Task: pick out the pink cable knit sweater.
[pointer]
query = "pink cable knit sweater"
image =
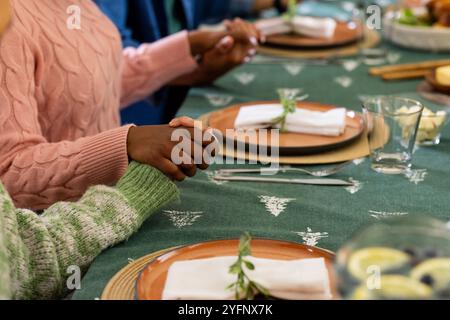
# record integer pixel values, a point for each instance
(60, 94)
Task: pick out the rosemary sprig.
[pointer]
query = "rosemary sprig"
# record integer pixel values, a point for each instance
(245, 288)
(291, 10)
(288, 99)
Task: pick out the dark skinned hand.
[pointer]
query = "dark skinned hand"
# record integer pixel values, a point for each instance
(152, 145)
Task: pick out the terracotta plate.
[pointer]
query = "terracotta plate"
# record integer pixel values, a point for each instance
(431, 79)
(346, 33)
(150, 283)
(293, 143)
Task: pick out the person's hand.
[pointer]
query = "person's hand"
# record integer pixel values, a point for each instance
(152, 145)
(239, 26)
(237, 47)
(183, 122)
(237, 31)
(201, 41)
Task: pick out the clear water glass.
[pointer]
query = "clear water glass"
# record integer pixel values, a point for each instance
(392, 124)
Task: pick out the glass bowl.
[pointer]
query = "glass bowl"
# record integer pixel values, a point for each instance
(397, 258)
(433, 120)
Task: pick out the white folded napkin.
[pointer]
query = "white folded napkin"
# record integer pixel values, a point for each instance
(207, 279)
(308, 26)
(314, 27)
(274, 26)
(329, 123)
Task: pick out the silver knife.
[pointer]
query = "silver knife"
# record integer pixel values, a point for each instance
(321, 182)
(317, 61)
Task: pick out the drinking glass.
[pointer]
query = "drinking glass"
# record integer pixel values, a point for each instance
(391, 124)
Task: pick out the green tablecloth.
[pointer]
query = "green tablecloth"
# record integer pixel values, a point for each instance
(322, 216)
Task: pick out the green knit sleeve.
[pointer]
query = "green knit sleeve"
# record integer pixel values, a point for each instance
(41, 250)
(5, 210)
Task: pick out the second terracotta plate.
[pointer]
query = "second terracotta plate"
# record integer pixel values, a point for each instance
(346, 33)
(292, 143)
(150, 284)
(431, 79)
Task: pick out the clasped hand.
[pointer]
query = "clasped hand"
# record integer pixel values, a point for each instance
(155, 146)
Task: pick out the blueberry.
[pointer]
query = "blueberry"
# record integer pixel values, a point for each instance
(410, 252)
(428, 280)
(415, 261)
(430, 253)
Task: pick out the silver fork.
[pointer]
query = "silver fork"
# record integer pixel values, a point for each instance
(318, 173)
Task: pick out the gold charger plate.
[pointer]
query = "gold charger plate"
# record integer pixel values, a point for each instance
(370, 40)
(150, 284)
(346, 33)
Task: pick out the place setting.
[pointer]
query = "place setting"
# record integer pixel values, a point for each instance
(407, 255)
(309, 134)
(314, 30)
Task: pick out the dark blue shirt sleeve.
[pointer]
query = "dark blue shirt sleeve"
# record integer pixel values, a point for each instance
(117, 11)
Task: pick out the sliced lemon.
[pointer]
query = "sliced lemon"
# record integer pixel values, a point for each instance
(362, 293)
(362, 262)
(394, 287)
(438, 269)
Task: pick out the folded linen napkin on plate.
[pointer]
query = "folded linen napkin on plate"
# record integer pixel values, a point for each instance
(308, 26)
(314, 27)
(274, 26)
(208, 279)
(329, 123)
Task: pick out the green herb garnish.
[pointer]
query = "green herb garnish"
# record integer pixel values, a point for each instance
(407, 17)
(288, 99)
(245, 288)
(291, 10)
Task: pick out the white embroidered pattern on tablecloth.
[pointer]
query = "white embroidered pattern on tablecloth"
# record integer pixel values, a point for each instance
(344, 81)
(275, 205)
(350, 65)
(311, 238)
(357, 185)
(417, 176)
(217, 100)
(293, 69)
(181, 219)
(383, 214)
(245, 78)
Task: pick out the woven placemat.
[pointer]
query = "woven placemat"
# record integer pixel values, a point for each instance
(121, 286)
(372, 39)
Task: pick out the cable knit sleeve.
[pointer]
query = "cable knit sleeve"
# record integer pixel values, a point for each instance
(149, 67)
(38, 173)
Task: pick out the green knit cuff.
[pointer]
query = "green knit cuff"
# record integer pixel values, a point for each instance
(146, 188)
